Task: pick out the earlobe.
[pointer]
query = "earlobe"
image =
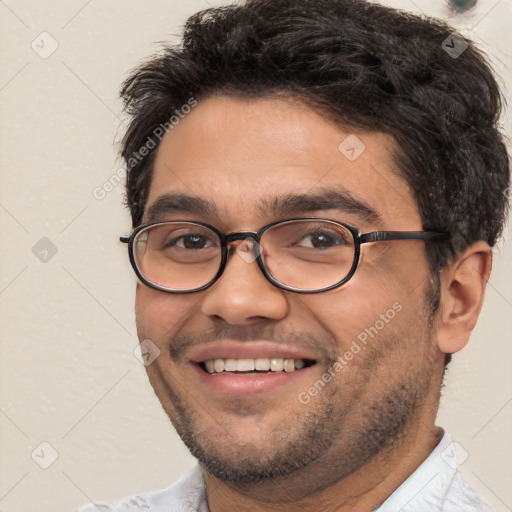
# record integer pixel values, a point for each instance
(463, 285)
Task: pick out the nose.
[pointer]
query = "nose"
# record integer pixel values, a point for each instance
(242, 295)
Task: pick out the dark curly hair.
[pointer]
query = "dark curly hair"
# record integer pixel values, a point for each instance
(365, 66)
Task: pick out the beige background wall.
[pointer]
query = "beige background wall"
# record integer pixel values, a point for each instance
(68, 376)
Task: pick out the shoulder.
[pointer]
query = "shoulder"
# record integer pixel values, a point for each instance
(462, 497)
(436, 485)
(185, 495)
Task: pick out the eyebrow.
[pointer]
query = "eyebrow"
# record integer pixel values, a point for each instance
(281, 206)
(177, 203)
(324, 199)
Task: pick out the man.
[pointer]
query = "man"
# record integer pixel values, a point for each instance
(315, 188)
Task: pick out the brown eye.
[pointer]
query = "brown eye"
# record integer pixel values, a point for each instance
(191, 242)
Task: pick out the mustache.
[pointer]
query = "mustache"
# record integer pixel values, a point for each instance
(181, 343)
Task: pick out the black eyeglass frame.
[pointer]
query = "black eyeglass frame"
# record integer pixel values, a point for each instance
(227, 239)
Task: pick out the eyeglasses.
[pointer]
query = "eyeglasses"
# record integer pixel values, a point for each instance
(304, 255)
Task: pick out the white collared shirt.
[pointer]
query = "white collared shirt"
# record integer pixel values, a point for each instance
(436, 486)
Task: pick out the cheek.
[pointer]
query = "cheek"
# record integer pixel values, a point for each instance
(160, 314)
(371, 305)
(349, 310)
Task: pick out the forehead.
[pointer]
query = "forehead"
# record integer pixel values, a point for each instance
(241, 155)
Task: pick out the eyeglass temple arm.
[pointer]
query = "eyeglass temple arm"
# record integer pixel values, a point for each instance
(429, 236)
(125, 239)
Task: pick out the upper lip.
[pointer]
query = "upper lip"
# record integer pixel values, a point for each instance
(246, 350)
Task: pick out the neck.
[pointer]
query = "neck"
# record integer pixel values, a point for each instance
(363, 490)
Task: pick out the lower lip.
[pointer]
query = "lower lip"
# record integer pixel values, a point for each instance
(245, 384)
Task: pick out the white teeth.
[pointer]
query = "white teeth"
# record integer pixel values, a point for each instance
(262, 364)
(276, 365)
(248, 365)
(244, 365)
(231, 365)
(289, 365)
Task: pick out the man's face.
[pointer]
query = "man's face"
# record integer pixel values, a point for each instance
(372, 364)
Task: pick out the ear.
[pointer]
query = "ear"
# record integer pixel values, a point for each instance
(463, 285)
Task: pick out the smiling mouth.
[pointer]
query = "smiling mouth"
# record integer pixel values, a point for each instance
(251, 366)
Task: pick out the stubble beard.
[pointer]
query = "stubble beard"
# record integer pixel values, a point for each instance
(322, 441)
